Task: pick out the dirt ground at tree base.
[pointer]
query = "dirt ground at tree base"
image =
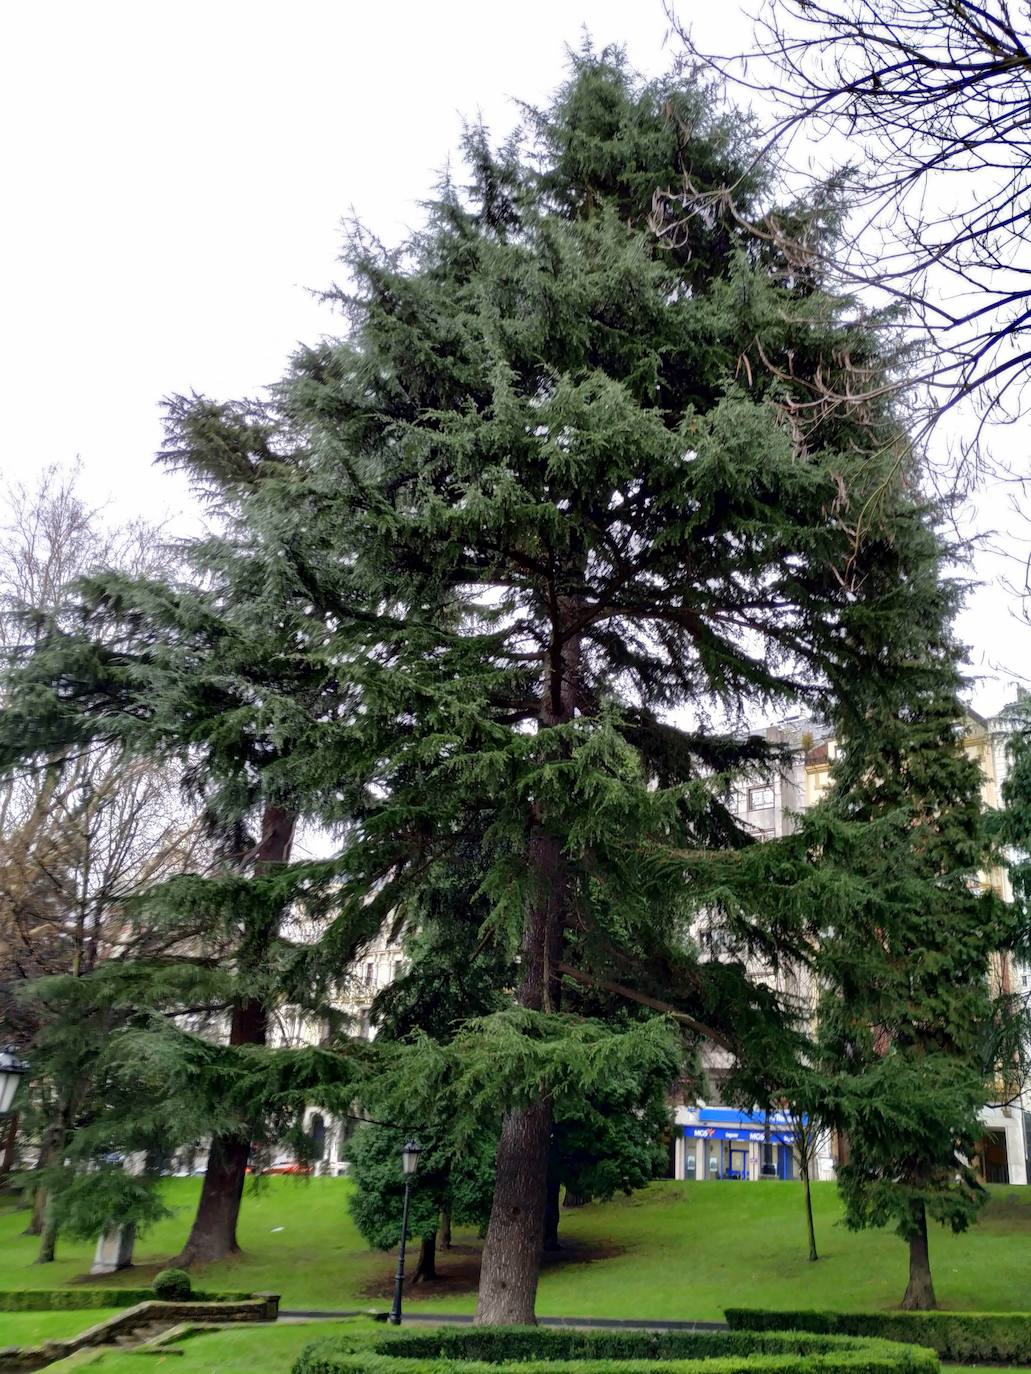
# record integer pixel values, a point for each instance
(458, 1269)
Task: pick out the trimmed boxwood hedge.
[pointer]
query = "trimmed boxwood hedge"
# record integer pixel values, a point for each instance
(962, 1337)
(535, 1350)
(72, 1299)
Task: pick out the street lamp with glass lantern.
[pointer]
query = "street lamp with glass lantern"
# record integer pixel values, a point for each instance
(12, 1071)
(409, 1163)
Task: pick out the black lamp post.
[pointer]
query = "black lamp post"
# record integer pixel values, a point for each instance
(409, 1163)
(769, 1169)
(12, 1070)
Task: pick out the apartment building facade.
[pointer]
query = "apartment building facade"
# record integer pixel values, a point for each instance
(715, 1142)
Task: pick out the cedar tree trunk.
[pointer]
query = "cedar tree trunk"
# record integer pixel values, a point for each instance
(551, 1215)
(213, 1233)
(55, 1142)
(919, 1295)
(810, 1228)
(515, 1234)
(426, 1269)
(48, 1234)
(34, 1226)
(48, 1152)
(444, 1229)
(572, 1199)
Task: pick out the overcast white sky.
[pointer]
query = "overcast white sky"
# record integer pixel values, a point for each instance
(174, 176)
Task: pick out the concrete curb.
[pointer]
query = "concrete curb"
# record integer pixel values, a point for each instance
(465, 1319)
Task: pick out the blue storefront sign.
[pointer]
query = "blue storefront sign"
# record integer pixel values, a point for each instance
(723, 1123)
(777, 1133)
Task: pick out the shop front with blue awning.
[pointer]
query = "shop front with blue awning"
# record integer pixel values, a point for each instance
(723, 1143)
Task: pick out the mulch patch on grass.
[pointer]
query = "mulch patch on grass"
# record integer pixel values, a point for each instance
(458, 1269)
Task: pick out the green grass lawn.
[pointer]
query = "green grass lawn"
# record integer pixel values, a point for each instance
(31, 1328)
(239, 1350)
(243, 1350)
(673, 1250)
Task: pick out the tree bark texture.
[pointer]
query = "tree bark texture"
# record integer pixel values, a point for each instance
(515, 1233)
(810, 1226)
(426, 1269)
(444, 1229)
(34, 1226)
(213, 1233)
(50, 1148)
(39, 1207)
(48, 1234)
(919, 1295)
(552, 1214)
(572, 1199)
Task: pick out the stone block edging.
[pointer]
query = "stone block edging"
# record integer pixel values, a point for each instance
(263, 1307)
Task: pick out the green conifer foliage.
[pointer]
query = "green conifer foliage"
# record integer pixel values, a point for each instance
(567, 481)
(1013, 824)
(208, 671)
(901, 858)
(568, 490)
(459, 1186)
(1012, 830)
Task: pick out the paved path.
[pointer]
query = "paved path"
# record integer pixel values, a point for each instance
(465, 1319)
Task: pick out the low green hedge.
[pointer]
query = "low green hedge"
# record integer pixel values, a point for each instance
(535, 1350)
(71, 1299)
(962, 1337)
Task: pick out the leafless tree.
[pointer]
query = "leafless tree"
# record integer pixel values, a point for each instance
(930, 103)
(82, 835)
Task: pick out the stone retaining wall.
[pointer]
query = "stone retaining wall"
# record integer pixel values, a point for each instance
(263, 1307)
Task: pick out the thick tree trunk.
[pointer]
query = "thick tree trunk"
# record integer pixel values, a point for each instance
(426, 1269)
(213, 1233)
(919, 1295)
(511, 1260)
(552, 1214)
(444, 1229)
(515, 1234)
(34, 1226)
(810, 1227)
(47, 1154)
(47, 1235)
(572, 1199)
(52, 1148)
(39, 1206)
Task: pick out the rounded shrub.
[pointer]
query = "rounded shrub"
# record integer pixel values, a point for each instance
(525, 1350)
(173, 1285)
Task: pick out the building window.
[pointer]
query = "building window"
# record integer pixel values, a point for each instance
(370, 975)
(760, 798)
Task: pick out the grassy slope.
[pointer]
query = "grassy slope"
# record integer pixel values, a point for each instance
(264, 1350)
(31, 1328)
(686, 1250)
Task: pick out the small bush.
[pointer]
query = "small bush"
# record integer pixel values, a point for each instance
(532, 1350)
(173, 1285)
(961, 1337)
